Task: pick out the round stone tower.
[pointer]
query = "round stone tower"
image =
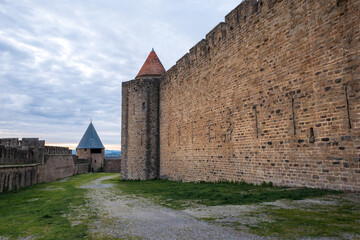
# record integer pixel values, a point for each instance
(140, 122)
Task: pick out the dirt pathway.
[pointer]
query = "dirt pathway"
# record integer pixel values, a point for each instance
(130, 217)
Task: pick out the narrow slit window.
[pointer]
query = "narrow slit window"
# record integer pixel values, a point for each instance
(312, 136)
(347, 106)
(256, 122)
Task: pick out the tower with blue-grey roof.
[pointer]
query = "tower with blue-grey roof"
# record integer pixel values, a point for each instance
(90, 147)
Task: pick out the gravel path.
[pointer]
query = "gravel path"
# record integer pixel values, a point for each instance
(123, 216)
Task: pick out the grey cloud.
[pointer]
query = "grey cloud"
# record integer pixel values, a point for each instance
(62, 62)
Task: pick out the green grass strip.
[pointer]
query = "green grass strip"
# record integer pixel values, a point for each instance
(42, 210)
(175, 194)
(340, 221)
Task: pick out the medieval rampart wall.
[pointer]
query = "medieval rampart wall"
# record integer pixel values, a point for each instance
(112, 165)
(13, 151)
(58, 163)
(83, 165)
(271, 94)
(27, 162)
(13, 177)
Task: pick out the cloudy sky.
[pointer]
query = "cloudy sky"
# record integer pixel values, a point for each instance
(62, 62)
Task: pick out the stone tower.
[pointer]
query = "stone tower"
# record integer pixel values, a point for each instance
(140, 122)
(91, 148)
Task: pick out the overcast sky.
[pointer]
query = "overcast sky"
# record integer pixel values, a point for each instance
(62, 62)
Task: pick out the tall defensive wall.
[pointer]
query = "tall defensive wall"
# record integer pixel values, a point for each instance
(271, 94)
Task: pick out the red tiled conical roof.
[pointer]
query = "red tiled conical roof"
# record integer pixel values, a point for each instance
(152, 66)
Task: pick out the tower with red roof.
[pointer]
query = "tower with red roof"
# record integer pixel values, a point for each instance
(140, 122)
(152, 67)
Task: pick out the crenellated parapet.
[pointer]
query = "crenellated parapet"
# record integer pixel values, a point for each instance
(270, 94)
(248, 12)
(25, 151)
(25, 142)
(57, 150)
(28, 161)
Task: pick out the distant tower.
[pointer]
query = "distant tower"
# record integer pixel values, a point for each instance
(91, 148)
(140, 122)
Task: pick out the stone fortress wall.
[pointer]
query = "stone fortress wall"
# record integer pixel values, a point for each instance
(58, 163)
(271, 94)
(112, 165)
(28, 161)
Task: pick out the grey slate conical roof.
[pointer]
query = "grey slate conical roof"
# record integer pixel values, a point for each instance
(90, 139)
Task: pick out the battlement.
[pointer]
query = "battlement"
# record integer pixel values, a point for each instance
(57, 150)
(248, 13)
(20, 155)
(270, 94)
(27, 151)
(25, 142)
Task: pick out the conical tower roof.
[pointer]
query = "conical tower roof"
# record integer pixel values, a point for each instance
(152, 66)
(90, 139)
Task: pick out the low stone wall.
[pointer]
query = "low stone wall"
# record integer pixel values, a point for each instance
(56, 166)
(82, 168)
(112, 165)
(28, 161)
(82, 165)
(13, 177)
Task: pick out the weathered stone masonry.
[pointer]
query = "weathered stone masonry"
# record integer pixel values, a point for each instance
(28, 161)
(140, 129)
(271, 94)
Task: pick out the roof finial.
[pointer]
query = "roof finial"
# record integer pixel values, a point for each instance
(153, 50)
(90, 120)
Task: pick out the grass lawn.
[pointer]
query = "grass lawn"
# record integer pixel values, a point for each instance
(59, 210)
(341, 220)
(176, 195)
(43, 210)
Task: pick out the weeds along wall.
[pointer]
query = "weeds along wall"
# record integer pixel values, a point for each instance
(271, 94)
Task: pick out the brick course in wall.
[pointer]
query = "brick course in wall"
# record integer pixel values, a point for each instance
(271, 94)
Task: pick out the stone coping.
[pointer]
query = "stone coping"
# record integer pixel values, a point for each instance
(60, 154)
(20, 165)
